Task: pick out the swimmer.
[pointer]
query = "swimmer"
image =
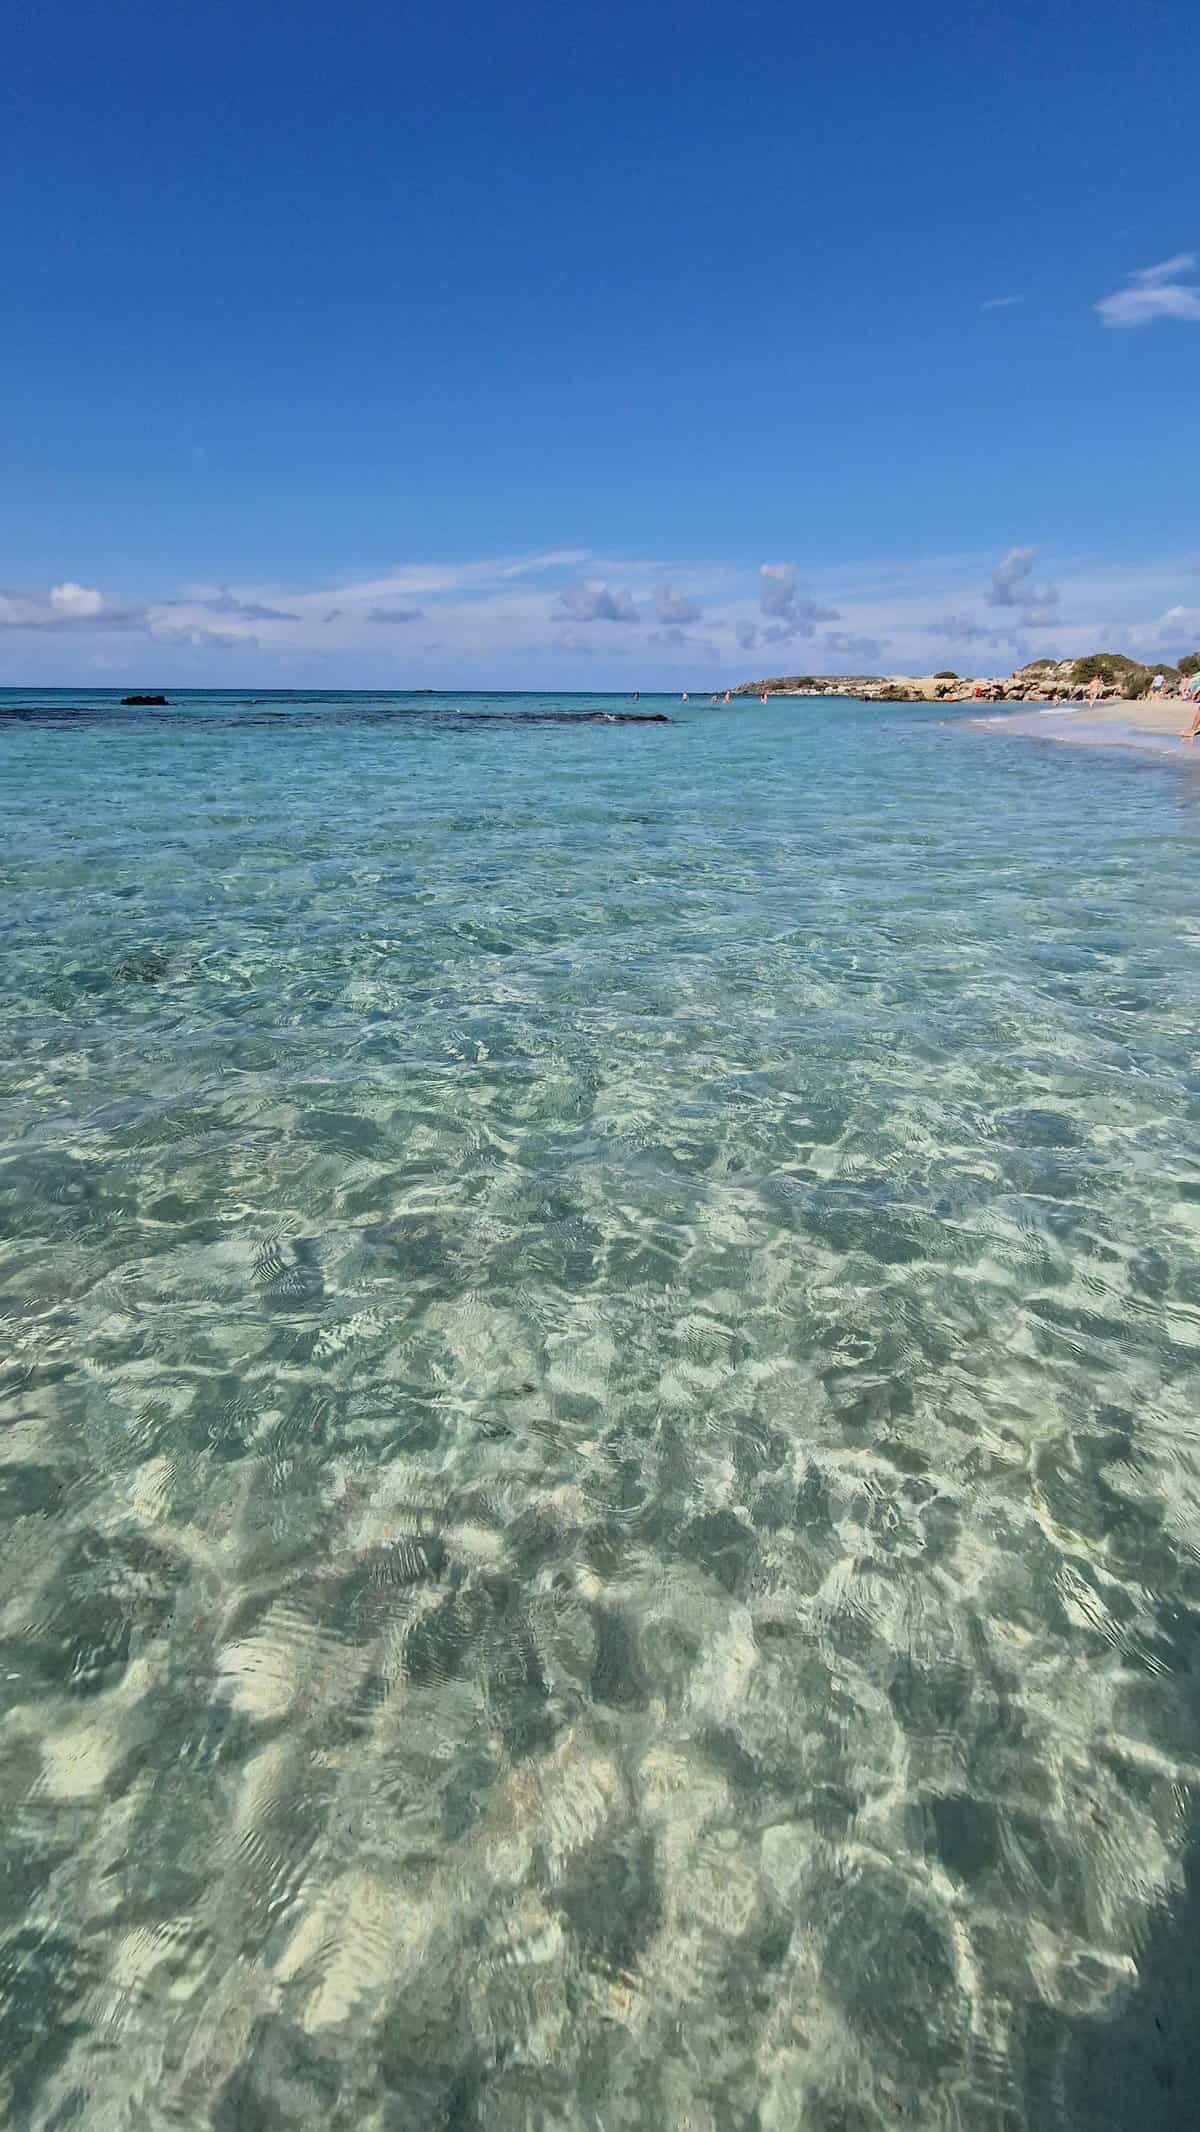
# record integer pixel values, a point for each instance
(713, 698)
(727, 698)
(683, 698)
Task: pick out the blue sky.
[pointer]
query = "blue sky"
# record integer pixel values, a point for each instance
(616, 345)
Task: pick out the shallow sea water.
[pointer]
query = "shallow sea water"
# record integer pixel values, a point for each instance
(599, 1467)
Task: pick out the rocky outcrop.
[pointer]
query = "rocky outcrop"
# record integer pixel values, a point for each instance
(144, 699)
(1071, 680)
(1042, 681)
(812, 685)
(866, 688)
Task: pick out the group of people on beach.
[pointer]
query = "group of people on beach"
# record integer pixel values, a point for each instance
(1186, 689)
(1183, 688)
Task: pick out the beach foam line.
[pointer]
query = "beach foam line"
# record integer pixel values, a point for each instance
(1086, 733)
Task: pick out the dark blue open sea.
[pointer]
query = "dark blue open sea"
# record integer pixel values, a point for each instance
(599, 1453)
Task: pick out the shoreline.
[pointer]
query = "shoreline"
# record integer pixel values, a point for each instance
(1159, 728)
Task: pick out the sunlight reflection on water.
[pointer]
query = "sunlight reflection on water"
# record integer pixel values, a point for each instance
(597, 1418)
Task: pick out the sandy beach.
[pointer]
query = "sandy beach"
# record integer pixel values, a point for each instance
(1153, 725)
(1172, 717)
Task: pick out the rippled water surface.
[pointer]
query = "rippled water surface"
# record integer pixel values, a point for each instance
(600, 1487)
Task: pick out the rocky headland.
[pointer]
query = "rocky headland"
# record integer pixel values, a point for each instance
(1121, 680)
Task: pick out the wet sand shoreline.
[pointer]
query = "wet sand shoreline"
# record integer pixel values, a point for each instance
(1159, 727)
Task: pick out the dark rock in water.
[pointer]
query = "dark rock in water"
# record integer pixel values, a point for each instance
(613, 1901)
(282, 2079)
(44, 1982)
(599, 717)
(114, 1595)
(594, 717)
(618, 1678)
(143, 966)
(143, 699)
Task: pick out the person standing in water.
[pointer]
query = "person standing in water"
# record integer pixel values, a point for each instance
(727, 697)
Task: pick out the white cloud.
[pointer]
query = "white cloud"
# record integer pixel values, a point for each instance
(67, 609)
(1155, 292)
(543, 621)
(395, 614)
(845, 644)
(17, 611)
(1167, 269)
(75, 602)
(248, 610)
(676, 635)
(591, 600)
(1001, 303)
(962, 629)
(793, 612)
(1010, 576)
(1169, 637)
(1012, 582)
(777, 592)
(672, 606)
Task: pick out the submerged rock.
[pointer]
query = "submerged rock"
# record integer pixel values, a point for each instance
(143, 966)
(144, 699)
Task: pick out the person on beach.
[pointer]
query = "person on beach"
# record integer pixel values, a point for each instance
(1194, 727)
(1156, 688)
(1094, 687)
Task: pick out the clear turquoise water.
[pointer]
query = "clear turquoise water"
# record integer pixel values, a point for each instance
(598, 1415)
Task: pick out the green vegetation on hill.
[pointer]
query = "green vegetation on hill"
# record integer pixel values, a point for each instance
(1115, 671)
(1111, 668)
